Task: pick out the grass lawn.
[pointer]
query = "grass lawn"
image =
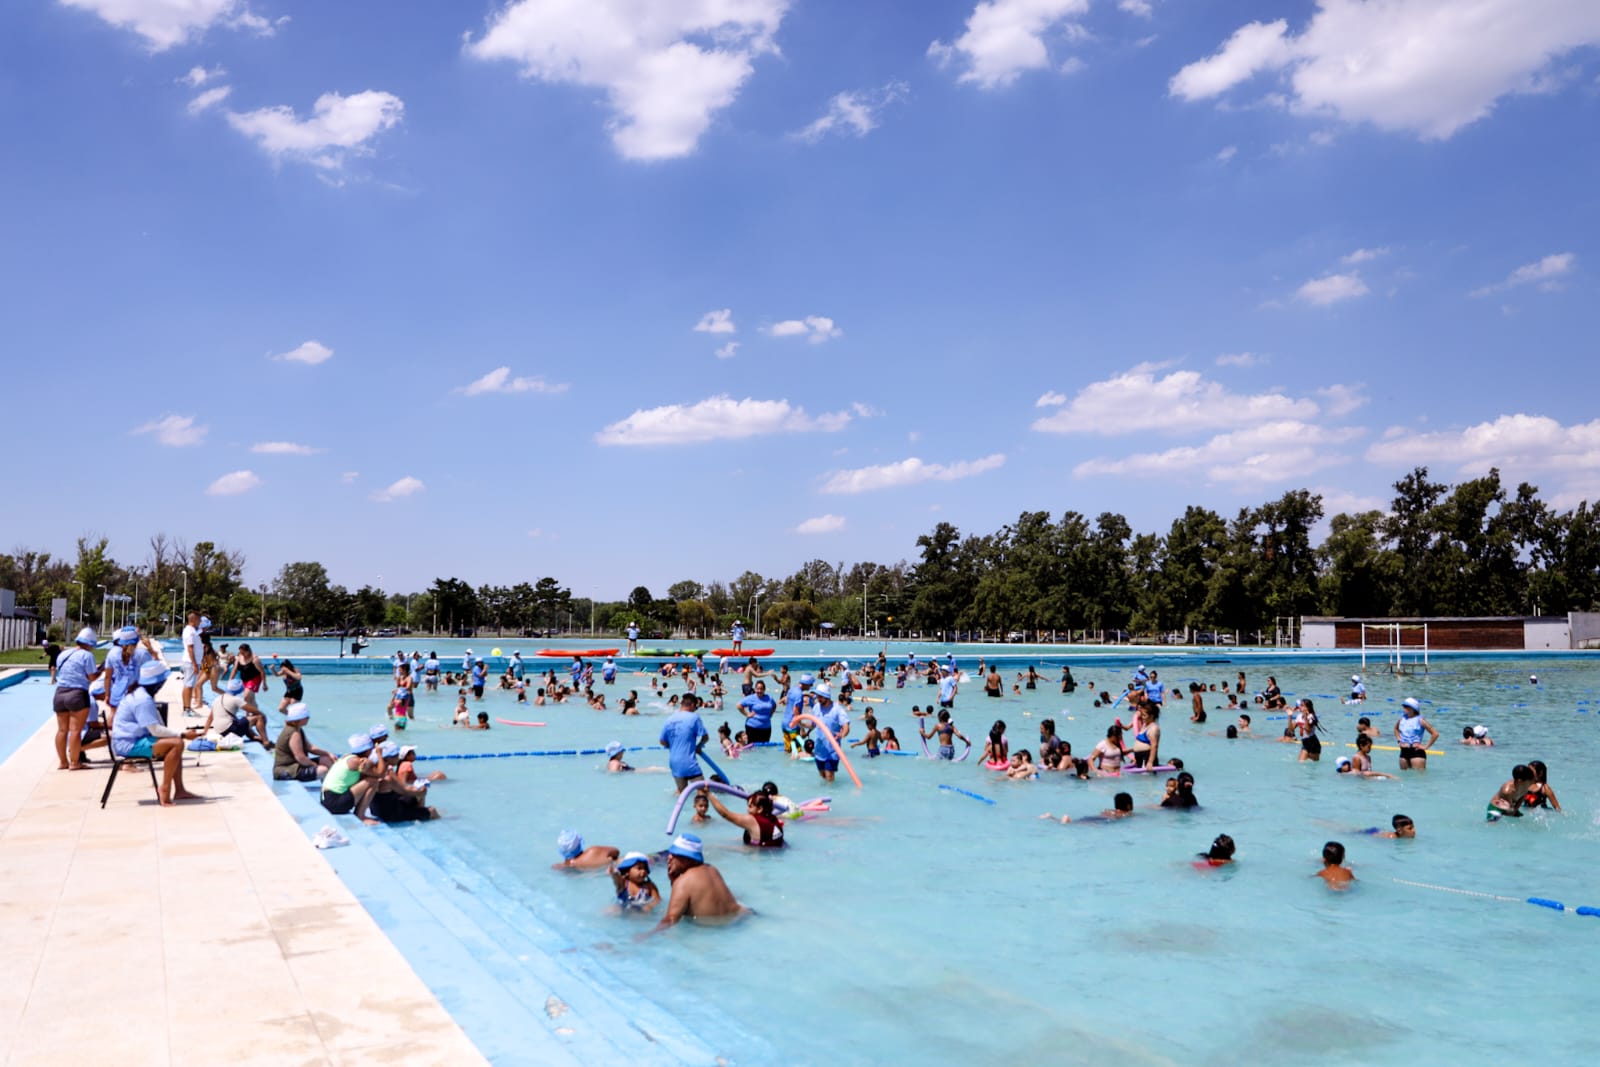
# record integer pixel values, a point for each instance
(34, 657)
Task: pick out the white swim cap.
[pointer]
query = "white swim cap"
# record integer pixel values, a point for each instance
(1480, 731)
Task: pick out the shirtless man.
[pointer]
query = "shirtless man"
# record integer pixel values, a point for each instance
(1334, 873)
(698, 891)
(750, 672)
(1507, 800)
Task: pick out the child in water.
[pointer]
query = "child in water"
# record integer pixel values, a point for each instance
(463, 717)
(891, 743)
(1219, 855)
(873, 739)
(630, 876)
(702, 807)
(1334, 873)
(1403, 828)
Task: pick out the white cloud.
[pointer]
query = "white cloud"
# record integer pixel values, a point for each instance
(209, 99)
(233, 484)
(1240, 359)
(716, 322)
(166, 23)
(349, 477)
(1332, 288)
(865, 411)
(1182, 401)
(853, 112)
(1521, 443)
(310, 353)
(1342, 501)
(1427, 67)
(1363, 255)
(1225, 154)
(177, 431)
(1262, 453)
(718, 418)
(1141, 8)
(1339, 400)
(907, 472)
(1050, 399)
(198, 76)
(666, 66)
(499, 380)
(339, 126)
(1004, 38)
(821, 524)
(729, 350)
(814, 328)
(283, 448)
(404, 487)
(1544, 271)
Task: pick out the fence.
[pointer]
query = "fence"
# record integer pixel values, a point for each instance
(16, 633)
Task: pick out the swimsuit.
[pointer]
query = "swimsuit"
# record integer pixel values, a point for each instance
(634, 903)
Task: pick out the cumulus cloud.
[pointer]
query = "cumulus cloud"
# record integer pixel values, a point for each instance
(1185, 400)
(716, 322)
(233, 484)
(209, 99)
(339, 126)
(814, 328)
(1363, 255)
(1004, 38)
(718, 418)
(729, 350)
(1332, 289)
(1521, 443)
(1050, 399)
(176, 431)
(1141, 8)
(907, 472)
(310, 353)
(166, 23)
(283, 448)
(198, 76)
(1240, 359)
(821, 524)
(1341, 501)
(1427, 67)
(853, 112)
(500, 380)
(1227, 153)
(1264, 453)
(1545, 272)
(666, 67)
(406, 486)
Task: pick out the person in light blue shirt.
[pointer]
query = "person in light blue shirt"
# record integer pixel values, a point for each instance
(138, 733)
(757, 709)
(682, 735)
(1358, 690)
(798, 700)
(76, 670)
(738, 635)
(466, 662)
(947, 690)
(430, 673)
(480, 677)
(516, 665)
(633, 638)
(608, 670)
(575, 669)
(1155, 691)
(124, 661)
(837, 720)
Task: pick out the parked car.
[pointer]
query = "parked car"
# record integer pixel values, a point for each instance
(1016, 637)
(385, 632)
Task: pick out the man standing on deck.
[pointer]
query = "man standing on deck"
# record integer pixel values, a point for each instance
(193, 656)
(633, 638)
(738, 636)
(682, 735)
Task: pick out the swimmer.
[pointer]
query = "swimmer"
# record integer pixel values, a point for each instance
(1358, 690)
(630, 877)
(1183, 798)
(698, 891)
(1408, 730)
(891, 743)
(1220, 854)
(1362, 764)
(873, 741)
(574, 857)
(1404, 829)
(1477, 736)
(1244, 725)
(946, 732)
(1121, 808)
(702, 806)
(1541, 795)
(996, 749)
(1107, 755)
(1508, 799)
(614, 761)
(1334, 873)
(1022, 766)
(757, 820)
(481, 724)
(1232, 733)
(1364, 726)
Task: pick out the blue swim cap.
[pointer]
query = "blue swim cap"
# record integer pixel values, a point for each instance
(569, 844)
(126, 636)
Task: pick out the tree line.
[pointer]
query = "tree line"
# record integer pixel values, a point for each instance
(1469, 549)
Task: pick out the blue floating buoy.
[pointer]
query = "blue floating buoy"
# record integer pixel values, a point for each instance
(1553, 905)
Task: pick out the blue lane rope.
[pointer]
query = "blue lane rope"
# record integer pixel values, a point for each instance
(1538, 902)
(967, 793)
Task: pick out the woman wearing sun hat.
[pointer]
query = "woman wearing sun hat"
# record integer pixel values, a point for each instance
(76, 670)
(138, 732)
(122, 664)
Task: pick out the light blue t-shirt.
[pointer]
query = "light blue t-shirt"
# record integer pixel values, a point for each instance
(608, 671)
(135, 716)
(480, 673)
(794, 705)
(74, 667)
(836, 719)
(1155, 692)
(124, 675)
(738, 633)
(682, 733)
(947, 689)
(633, 633)
(760, 706)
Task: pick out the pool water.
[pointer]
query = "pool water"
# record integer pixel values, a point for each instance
(919, 924)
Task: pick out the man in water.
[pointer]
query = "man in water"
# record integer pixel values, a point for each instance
(751, 671)
(1507, 800)
(948, 688)
(698, 891)
(838, 723)
(1122, 807)
(799, 700)
(682, 735)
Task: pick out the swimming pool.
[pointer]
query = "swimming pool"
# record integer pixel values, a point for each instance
(920, 924)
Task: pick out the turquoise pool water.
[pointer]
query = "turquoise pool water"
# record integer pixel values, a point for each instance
(919, 924)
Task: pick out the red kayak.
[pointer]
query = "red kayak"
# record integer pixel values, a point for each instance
(747, 653)
(565, 653)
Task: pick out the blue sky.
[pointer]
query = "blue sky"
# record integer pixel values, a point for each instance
(630, 292)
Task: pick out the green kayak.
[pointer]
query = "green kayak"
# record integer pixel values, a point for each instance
(670, 652)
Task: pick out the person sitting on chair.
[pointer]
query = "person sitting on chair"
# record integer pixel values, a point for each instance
(138, 733)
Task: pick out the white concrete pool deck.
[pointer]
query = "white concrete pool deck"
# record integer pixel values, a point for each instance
(206, 933)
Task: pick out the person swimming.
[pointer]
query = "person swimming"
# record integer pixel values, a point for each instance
(1121, 808)
(1402, 825)
(1220, 854)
